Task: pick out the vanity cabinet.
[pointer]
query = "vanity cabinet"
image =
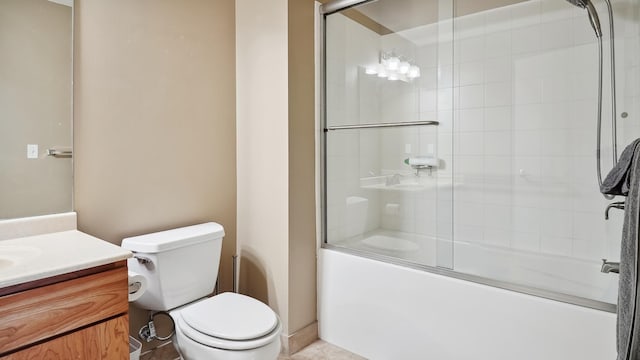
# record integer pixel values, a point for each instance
(80, 315)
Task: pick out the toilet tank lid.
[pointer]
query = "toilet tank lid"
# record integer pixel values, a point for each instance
(174, 238)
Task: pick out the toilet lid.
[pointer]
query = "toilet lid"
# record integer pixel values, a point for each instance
(231, 316)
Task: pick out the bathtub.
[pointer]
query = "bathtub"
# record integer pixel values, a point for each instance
(539, 271)
(385, 311)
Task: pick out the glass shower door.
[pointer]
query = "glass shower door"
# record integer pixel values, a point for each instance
(388, 132)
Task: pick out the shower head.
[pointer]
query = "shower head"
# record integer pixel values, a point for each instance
(593, 14)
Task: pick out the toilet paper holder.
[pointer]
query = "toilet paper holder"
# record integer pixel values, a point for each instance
(134, 287)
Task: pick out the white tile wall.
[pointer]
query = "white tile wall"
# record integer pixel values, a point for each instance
(539, 75)
(515, 94)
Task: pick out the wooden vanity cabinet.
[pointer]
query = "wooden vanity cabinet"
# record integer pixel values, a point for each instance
(81, 315)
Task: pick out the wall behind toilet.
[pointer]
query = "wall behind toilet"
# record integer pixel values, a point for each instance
(154, 119)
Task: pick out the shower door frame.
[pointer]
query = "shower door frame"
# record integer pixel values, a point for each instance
(337, 6)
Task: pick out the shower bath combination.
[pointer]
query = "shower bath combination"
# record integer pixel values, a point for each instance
(595, 24)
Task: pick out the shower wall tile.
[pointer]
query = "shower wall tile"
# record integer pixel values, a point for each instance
(469, 213)
(470, 49)
(526, 40)
(498, 169)
(582, 31)
(556, 245)
(497, 237)
(498, 94)
(471, 119)
(471, 96)
(556, 35)
(472, 234)
(526, 89)
(471, 73)
(497, 118)
(497, 143)
(498, 217)
(498, 44)
(525, 241)
(498, 69)
(471, 143)
(445, 99)
(429, 100)
(445, 75)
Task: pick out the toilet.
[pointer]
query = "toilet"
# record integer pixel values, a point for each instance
(181, 268)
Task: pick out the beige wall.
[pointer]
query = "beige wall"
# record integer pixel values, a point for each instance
(302, 176)
(156, 133)
(155, 119)
(275, 147)
(262, 151)
(35, 107)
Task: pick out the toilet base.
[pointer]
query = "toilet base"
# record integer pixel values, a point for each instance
(192, 350)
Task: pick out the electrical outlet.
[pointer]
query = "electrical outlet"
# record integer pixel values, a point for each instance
(32, 151)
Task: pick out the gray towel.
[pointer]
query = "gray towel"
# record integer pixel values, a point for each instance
(625, 179)
(618, 180)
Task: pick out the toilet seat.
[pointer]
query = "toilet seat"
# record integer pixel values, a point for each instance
(228, 321)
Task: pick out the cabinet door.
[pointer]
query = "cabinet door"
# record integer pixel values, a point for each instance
(108, 340)
(38, 314)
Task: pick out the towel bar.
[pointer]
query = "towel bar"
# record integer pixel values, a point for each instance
(65, 153)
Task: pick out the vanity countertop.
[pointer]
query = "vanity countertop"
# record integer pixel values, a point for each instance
(41, 256)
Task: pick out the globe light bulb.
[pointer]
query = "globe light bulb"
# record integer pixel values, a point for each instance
(414, 72)
(404, 67)
(393, 63)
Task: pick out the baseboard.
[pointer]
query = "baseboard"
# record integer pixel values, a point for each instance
(297, 341)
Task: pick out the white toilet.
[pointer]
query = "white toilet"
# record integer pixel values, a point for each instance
(181, 267)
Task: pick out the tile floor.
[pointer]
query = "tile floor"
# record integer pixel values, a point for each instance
(319, 350)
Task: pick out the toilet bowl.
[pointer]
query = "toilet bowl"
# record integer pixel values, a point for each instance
(227, 326)
(180, 267)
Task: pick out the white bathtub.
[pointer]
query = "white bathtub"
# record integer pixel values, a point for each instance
(547, 272)
(385, 311)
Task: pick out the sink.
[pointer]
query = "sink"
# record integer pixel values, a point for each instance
(11, 255)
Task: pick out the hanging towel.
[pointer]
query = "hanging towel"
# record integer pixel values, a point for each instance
(624, 179)
(618, 180)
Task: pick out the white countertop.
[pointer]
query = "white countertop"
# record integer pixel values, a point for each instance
(41, 256)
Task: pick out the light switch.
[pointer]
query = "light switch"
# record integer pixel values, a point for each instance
(32, 151)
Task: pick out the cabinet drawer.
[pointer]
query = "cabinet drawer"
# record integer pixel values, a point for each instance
(37, 314)
(106, 341)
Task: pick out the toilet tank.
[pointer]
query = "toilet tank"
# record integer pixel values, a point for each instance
(180, 265)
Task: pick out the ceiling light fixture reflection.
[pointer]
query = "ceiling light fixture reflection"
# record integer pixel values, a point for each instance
(393, 67)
